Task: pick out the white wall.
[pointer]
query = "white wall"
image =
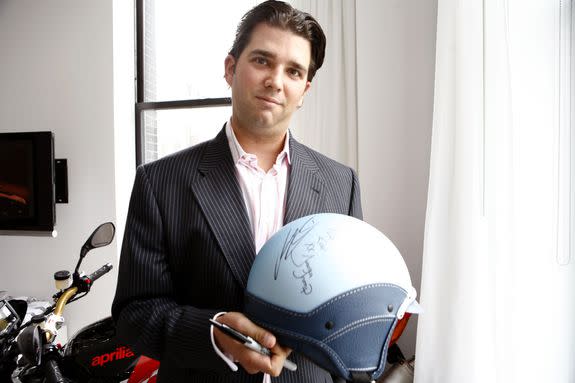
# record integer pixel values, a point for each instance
(56, 73)
(395, 64)
(62, 69)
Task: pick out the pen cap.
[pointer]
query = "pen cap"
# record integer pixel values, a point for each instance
(332, 288)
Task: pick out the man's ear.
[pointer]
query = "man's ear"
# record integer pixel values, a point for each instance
(307, 86)
(230, 68)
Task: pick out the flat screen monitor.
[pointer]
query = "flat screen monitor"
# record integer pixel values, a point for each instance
(27, 183)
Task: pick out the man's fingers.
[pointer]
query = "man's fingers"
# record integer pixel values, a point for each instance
(278, 349)
(242, 324)
(264, 337)
(277, 363)
(252, 361)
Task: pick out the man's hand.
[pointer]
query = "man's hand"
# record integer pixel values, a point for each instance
(252, 361)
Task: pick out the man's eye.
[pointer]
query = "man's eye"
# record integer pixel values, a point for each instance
(261, 60)
(294, 73)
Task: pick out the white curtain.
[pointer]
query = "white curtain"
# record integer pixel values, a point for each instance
(328, 119)
(498, 276)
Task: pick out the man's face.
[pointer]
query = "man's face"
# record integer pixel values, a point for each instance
(268, 80)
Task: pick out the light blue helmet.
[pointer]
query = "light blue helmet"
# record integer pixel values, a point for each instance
(332, 288)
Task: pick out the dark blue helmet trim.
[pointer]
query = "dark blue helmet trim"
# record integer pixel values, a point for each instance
(350, 332)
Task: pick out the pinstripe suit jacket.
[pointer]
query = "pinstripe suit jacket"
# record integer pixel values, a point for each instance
(188, 249)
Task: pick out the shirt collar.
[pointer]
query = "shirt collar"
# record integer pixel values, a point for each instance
(238, 152)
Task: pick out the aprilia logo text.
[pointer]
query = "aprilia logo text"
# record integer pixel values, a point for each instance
(120, 353)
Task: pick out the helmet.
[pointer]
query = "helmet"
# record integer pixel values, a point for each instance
(332, 288)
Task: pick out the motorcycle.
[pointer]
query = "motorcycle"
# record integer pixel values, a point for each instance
(94, 355)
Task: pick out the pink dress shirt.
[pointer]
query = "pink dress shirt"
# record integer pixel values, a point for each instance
(264, 193)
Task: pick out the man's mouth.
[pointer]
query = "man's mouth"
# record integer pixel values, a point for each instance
(270, 100)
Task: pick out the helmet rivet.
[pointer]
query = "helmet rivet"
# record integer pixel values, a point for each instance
(390, 308)
(329, 325)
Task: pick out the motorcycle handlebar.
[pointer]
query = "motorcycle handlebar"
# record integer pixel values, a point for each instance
(84, 287)
(101, 271)
(53, 373)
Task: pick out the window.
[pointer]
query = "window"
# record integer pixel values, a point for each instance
(182, 97)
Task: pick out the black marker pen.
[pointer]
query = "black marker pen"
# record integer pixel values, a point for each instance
(250, 343)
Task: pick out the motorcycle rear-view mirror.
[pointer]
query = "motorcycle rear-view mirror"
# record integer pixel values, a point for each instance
(102, 236)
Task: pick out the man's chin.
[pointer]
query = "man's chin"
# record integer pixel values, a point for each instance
(265, 120)
(270, 128)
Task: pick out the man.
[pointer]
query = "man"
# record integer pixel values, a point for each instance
(197, 218)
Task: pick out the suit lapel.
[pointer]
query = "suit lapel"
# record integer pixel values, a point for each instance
(305, 187)
(219, 196)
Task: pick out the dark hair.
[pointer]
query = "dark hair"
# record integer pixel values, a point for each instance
(282, 15)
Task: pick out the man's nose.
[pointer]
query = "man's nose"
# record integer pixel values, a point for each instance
(274, 79)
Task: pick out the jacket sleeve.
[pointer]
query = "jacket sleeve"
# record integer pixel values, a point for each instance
(145, 310)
